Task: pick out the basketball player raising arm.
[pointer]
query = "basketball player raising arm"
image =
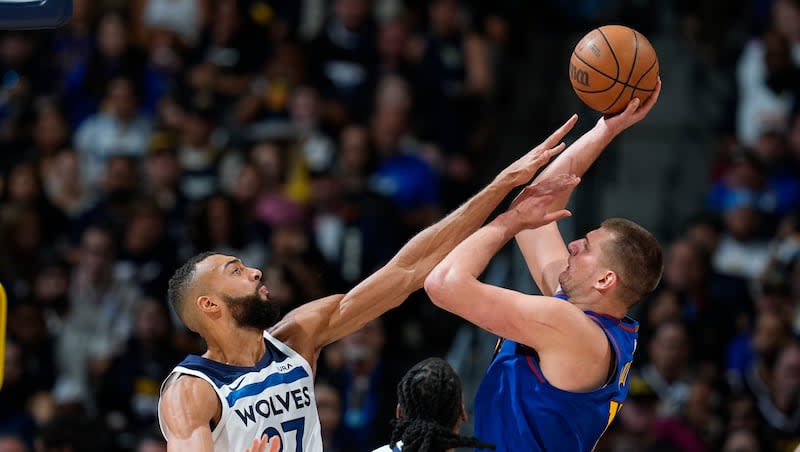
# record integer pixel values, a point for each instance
(256, 378)
(562, 363)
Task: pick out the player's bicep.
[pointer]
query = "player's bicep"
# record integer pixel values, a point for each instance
(545, 254)
(188, 406)
(535, 321)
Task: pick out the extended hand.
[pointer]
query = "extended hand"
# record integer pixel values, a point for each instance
(633, 113)
(260, 445)
(522, 170)
(529, 209)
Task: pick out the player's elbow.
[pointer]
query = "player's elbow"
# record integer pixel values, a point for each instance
(440, 286)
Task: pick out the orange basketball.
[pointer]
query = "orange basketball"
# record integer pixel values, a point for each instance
(610, 66)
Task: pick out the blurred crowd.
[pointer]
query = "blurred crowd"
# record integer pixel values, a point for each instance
(312, 139)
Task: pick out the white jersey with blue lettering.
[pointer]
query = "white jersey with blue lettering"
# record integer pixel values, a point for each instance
(274, 397)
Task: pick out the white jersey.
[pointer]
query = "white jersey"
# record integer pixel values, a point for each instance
(274, 397)
(396, 447)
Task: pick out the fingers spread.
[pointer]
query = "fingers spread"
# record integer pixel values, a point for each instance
(561, 132)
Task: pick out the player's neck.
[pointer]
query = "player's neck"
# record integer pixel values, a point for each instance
(237, 347)
(602, 305)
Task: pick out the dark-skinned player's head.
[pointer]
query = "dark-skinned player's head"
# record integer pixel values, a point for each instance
(620, 259)
(212, 287)
(430, 408)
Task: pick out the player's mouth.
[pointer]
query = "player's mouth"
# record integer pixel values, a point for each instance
(262, 289)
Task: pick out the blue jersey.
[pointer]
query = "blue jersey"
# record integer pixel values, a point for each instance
(517, 409)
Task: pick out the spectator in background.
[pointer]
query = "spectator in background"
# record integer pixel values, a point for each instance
(64, 186)
(329, 407)
(668, 374)
(28, 329)
(101, 315)
(114, 56)
(779, 400)
(199, 156)
(12, 443)
(217, 225)
(21, 234)
(163, 181)
(400, 174)
(275, 205)
(118, 129)
(127, 389)
(147, 255)
(14, 417)
(365, 384)
(345, 69)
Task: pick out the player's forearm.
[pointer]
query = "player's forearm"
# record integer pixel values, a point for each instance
(578, 157)
(468, 260)
(422, 253)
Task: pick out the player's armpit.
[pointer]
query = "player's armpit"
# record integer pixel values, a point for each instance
(188, 406)
(316, 324)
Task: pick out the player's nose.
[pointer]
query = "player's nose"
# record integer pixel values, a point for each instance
(257, 274)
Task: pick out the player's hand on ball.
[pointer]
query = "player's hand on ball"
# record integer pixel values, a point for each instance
(529, 209)
(260, 444)
(633, 113)
(522, 170)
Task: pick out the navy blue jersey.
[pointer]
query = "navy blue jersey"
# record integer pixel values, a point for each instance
(517, 409)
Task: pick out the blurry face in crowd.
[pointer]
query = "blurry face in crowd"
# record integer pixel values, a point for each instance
(393, 39)
(741, 441)
(786, 378)
(742, 222)
(304, 107)
(96, 252)
(27, 234)
(50, 130)
(669, 350)
(219, 222)
(121, 99)
(163, 169)
(22, 183)
(354, 149)
(329, 406)
(248, 184)
(665, 307)
(743, 414)
(744, 174)
(280, 290)
(12, 444)
(704, 235)
(770, 335)
(13, 364)
(111, 36)
(786, 18)
(68, 171)
(444, 15)
(51, 284)
(364, 345)
(267, 157)
(684, 270)
(27, 324)
(151, 445)
(388, 128)
(15, 49)
(152, 321)
(120, 175)
(144, 231)
(352, 13)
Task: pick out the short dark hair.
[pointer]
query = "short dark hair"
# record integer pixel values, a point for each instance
(430, 398)
(181, 280)
(636, 257)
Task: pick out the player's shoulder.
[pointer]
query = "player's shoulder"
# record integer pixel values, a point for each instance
(187, 390)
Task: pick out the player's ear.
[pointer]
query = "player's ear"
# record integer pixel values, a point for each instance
(398, 413)
(206, 304)
(606, 281)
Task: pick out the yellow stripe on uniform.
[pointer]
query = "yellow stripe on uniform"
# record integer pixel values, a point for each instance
(3, 309)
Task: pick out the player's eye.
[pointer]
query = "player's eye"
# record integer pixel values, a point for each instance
(237, 271)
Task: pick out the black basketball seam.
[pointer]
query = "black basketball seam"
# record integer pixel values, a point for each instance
(630, 74)
(652, 65)
(616, 63)
(606, 76)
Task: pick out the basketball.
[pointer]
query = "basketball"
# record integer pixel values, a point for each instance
(610, 66)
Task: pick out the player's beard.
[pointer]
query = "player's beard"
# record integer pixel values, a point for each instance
(250, 311)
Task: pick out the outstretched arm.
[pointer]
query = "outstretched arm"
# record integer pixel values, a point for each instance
(453, 285)
(319, 323)
(543, 247)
